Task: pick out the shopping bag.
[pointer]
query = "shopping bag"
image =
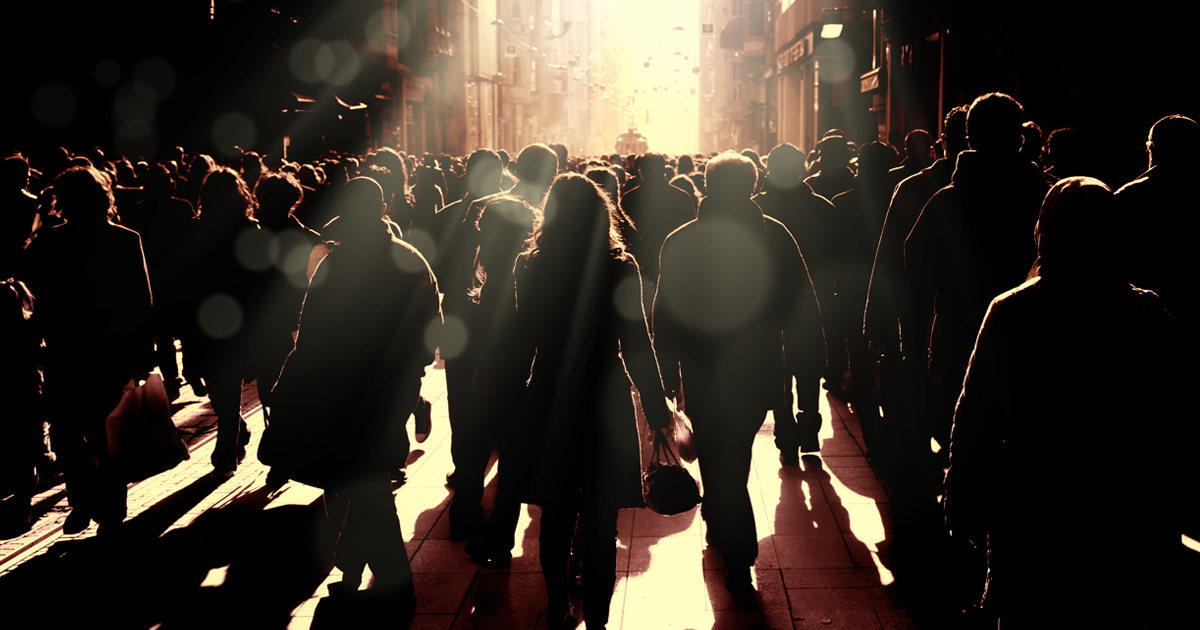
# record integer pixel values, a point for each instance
(142, 438)
(667, 487)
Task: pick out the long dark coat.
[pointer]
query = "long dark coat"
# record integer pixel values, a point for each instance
(588, 328)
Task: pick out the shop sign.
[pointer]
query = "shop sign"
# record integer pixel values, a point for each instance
(797, 51)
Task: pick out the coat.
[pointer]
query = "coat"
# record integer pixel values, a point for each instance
(733, 294)
(369, 326)
(588, 332)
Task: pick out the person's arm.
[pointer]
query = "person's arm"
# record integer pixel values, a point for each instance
(637, 351)
(509, 349)
(666, 331)
(976, 439)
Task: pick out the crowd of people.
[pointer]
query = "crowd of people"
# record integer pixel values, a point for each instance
(1010, 309)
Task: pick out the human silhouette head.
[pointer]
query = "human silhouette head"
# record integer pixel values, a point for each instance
(875, 158)
(917, 146)
(685, 165)
(14, 173)
(652, 167)
(1173, 141)
(578, 220)
(607, 180)
(833, 152)
(1075, 225)
(785, 166)
(730, 176)
(278, 195)
(954, 132)
(223, 190)
(157, 181)
(485, 172)
(536, 167)
(1031, 150)
(560, 150)
(84, 194)
(360, 211)
(994, 124)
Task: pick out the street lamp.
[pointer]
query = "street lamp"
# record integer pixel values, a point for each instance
(831, 23)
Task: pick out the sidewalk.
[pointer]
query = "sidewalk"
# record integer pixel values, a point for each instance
(202, 552)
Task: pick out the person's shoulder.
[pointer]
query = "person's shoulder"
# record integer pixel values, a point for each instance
(1136, 186)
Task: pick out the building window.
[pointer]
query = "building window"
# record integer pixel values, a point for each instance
(739, 7)
(516, 9)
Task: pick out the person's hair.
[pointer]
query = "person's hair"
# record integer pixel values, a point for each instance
(485, 170)
(917, 145)
(994, 123)
(685, 183)
(199, 169)
(382, 176)
(650, 164)
(537, 163)
(954, 130)
(14, 172)
(685, 164)
(877, 156)
(560, 150)
(360, 209)
(578, 214)
(225, 186)
(730, 175)
(278, 195)
(157, 180)
(785, 162)
(84, 193)
(1174, 140)
(1032, 148)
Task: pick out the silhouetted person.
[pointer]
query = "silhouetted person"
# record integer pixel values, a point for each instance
(163, 221)
(21, 436)
(18, 214)
(445, 227)
(1064, 153)
(222, 287)
(1159, 208)
(368, 328)
(813, 223)
(885, 316)
(656, 208)
(733, 300)
(608, 180)
(1047, 390)
(578, 313)
(918, 154)
(95, 314)
(971, 243)
(861, 212)
(833, 176)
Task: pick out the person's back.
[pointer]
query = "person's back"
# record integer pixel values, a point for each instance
(656, 209)
(1159, 209)
(972, 241)
(19, 211)
(1078, 329)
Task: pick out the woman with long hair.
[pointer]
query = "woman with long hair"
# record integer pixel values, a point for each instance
(579, 301)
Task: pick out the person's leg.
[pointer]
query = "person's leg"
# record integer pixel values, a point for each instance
(787, 438)
(724, 448)
(225, 395)
(377, 528)
(598, 529)
(554, 550)
(78, 407)
(470, 447)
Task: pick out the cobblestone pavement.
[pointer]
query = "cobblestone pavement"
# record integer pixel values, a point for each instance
(200, 552)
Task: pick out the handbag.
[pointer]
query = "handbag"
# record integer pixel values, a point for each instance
(142, 438)
(666, 487)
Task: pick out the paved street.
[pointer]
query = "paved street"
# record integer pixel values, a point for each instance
(201, 552)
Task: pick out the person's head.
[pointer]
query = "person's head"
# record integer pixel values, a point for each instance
(504, 226)
(685, 164)
(753, 156)
(1173, 141)
(484, 173)
(199, 169)
(684, 183)
(954, 132)
(224, 191)
(14, 172)
(157, 181)
(834, 152)
(918, 146)
(278, 195)
(536, 167)
(730, 176)
(994, 124)
(1076, 226)
(384, 177)
(875, 158)
(388, 158)
(607, 180)
(360, 211)
(785, 166)
(560, 150)
(252, 167)
(577, 223)
(84, 194)
(651, 167)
